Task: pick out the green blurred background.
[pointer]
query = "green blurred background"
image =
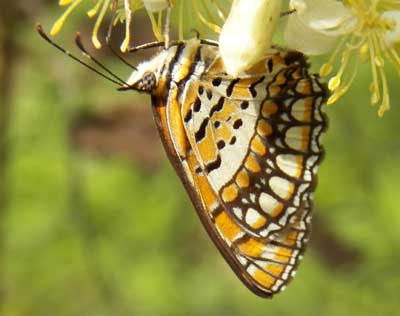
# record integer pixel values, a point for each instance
(94, 220)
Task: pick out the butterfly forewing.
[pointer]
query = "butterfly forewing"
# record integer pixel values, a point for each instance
(247, 150)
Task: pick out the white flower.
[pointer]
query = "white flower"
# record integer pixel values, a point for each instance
(356, 30)
(247, 33)
(315, 27)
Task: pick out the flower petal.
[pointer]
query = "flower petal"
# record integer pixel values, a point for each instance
(302, 37)
(321, 15)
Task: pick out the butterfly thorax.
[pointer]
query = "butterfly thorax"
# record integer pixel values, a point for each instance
(174, 65)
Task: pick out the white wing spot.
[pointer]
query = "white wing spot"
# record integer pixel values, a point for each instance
(290, 164)
(238, 212)
(268, 203)
(281, 187)
(252, 216)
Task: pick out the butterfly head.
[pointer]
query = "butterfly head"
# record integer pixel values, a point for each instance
(147, 82)
(145, 78)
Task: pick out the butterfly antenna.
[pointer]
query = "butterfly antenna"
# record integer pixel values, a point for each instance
(196, 32)
(41, 32)
(115, 53)
(78, 42)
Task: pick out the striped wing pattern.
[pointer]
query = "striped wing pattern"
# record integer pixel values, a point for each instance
(254, 141)
(247, 150)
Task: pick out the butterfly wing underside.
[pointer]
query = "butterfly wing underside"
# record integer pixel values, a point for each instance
(256, 139)
(276, 120)
(264, 268)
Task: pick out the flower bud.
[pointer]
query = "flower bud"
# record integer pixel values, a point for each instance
(247, 33)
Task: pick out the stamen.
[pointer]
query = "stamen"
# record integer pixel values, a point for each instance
(221, 14)
(128, 16)
(385, 105)
(382, 46)
(108, 38)
(391, 53)
(92, 12)
(344, 88)
(156, 29)
(166, 26)
(214, 27)
(335, 81)
(375, 89)
(394, 57)
(95, 39)
(160, 23)
(180, 23)
(379, 61)
(63, 3)
(60, 22)
(208, 13)
(326, 68)
(364, 52)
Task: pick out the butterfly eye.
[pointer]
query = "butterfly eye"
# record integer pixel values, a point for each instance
(147, 83)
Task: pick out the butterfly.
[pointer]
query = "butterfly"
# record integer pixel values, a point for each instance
(247, 150)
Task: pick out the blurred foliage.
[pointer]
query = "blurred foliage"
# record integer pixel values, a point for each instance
(95, 233)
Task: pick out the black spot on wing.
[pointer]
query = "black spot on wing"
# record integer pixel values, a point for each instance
(201, 133)
(214, 165)
(229, 90)
(188, 116)
(221, 144)
(201, 90)
(237, 124)
(197, 105)
(217, 107)
(252, 88)
(198, 170)
(270, 65)
(244, 105)
(209, 94)
(216, 81)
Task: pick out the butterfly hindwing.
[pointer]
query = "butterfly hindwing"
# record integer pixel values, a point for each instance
(233, 149)
(256, 138)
